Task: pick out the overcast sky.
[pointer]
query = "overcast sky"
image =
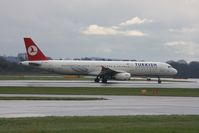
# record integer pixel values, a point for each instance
(152, 30)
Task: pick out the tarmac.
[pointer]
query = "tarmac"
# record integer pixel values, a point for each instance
(115, 105)
(194, 83)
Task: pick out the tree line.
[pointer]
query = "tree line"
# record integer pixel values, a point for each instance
(186, 70)
(7, 67)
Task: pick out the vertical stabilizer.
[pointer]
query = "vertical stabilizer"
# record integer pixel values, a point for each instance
(33, 52)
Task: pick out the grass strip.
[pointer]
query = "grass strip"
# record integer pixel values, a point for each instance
(102, 124)
(100, 91)
(50, 98)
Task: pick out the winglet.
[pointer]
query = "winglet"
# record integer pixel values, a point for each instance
(33, 52)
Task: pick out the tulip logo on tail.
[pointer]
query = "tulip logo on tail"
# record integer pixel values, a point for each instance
(32, 50)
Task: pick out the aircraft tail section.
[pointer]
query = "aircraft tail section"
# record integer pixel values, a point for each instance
(33, 52)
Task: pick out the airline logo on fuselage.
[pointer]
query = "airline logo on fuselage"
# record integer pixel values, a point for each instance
(32, 50)
(146, 65)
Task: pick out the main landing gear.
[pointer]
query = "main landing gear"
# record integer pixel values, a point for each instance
(97, 80)
(104, 80)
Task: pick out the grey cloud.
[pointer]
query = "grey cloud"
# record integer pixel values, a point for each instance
(56, 24)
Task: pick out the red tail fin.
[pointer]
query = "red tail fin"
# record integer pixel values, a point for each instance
(33, 52)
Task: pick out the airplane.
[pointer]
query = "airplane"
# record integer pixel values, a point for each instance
(103, 70)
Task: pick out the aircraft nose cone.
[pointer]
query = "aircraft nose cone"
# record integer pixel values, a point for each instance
(175, 71)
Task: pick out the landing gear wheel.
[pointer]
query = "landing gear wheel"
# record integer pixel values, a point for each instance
(104, 80)
(97, 80)
(159, 80)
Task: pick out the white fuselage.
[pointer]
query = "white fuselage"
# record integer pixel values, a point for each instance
(93, 68)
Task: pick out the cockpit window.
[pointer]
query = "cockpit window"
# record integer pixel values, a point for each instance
(169, 66)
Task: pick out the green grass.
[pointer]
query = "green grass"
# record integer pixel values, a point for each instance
(103, 124)
(49, 98)
(98, 91)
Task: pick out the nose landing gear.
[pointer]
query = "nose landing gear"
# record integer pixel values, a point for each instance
(159, 80)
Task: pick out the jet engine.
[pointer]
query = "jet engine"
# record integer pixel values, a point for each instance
(122, 76)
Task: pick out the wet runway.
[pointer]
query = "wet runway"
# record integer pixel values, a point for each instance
(115, 105)
(193, 83)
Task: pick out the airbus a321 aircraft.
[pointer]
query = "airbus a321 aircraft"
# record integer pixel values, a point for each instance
(103, 70)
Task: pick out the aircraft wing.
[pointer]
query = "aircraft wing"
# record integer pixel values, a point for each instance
(107, 73)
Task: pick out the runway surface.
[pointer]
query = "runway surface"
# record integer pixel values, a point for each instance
(89, 83)
(115, 105)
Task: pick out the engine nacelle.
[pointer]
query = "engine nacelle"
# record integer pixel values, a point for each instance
(122, 76)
